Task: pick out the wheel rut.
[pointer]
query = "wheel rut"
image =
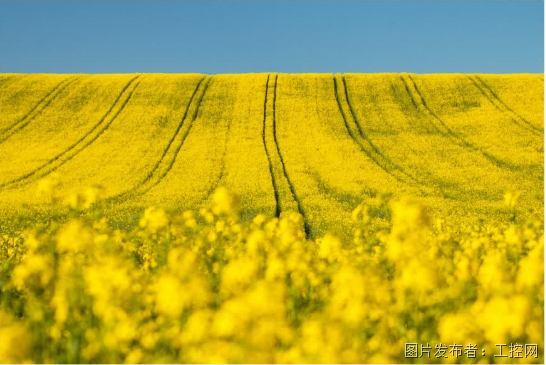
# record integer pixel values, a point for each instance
(301, 210)
(441, 127)
(81, 144)
(37, 109)
(164, 164)
(501, 106)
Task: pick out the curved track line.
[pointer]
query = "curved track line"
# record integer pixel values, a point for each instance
(166, 150)
(387, 161)
(355, 139)
(133, 192)
(43, 103)
(364, 135)
(51, 91)
(183, 137)
(36, 174)
(215, 184)
(486, 89)
(275, 190)
(394, 166)
(448, 132)
(306, 226)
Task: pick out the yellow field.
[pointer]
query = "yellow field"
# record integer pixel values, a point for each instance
(368, 211)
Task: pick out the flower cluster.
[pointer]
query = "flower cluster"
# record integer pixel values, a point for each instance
(210, 287)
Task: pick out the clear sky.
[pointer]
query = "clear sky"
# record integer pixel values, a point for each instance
(235, 37)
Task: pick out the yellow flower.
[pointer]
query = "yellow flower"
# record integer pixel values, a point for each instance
(75, 236)
(238, 274)
(48, 186)
(329, 248)
(408, 215)
(224, 202)
(91, 196)
(134, 357)
(198, 327)
(170, 296)
(493, 274)
(458, 328)
(33, 266)
(531, 268)
(154, 220)
(514, 312)
(15, 343)
(418, 277)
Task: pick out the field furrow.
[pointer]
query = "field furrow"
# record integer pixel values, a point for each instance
(301, 210)
(420, 103)
(150, 179)
(471, 115)
(164, 165)
(244, 167)
(221, 166)
(519, 95)
(400, 137)
(284, 198)
(270, 163)
(6, 83)
(170, 143)
(407, 135)
(82, 143)
(21, 94)
(184, 136)
(193, 165)
(62, 126)
(325, 165)
(502, 107)
(36, 110)
(154, 113)
(362, 140)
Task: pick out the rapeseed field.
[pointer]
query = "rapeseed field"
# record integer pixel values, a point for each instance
(266, 218)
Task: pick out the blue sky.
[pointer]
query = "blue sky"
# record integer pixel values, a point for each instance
(235, 37)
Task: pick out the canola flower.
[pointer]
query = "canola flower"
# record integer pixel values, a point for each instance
(207, 287)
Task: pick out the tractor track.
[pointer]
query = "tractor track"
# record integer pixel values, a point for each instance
(397, 174)
(135, 192)
(150, 174)
(376, 155)
(444, 130)
(306, 226)
(39, 107)
(169, 144)
(43, 171)
(171, 164)
(273, 181)
(502, 107)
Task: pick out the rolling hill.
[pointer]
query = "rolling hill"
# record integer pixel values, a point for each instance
(317, 144)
